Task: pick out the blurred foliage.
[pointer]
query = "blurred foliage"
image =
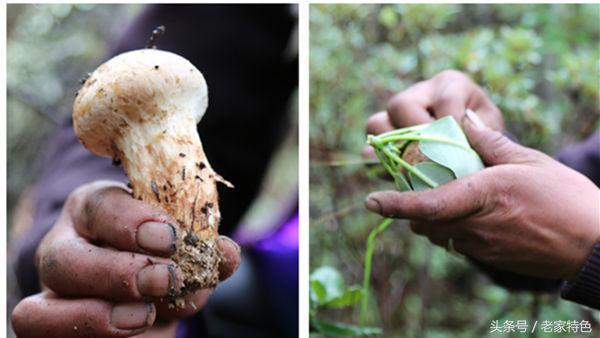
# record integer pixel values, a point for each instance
(538, 63)
(49, 49)
(328, 291)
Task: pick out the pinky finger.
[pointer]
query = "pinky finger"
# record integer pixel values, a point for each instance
(45, 315)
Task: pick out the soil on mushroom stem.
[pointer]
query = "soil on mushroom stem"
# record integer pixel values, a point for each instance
(198, 260)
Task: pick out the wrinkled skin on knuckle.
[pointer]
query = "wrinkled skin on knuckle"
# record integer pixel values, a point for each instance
(51, 264)
(496, 144)
(88, 197)
(536, 157)
(491, 232)
(494, 188)
(47, 261)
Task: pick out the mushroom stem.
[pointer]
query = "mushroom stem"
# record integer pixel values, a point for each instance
(183, 185)
(141, 108)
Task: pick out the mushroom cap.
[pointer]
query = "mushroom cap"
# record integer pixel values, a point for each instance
(146, 86)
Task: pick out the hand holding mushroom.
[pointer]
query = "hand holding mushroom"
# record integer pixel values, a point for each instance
(141, 108)
(117, 258)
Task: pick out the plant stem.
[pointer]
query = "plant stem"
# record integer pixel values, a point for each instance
(410, 168)
(402, 131)
(384, 161)
(416, 137)
(367, 269)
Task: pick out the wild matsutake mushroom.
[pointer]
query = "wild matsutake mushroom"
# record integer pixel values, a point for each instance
(141, 109)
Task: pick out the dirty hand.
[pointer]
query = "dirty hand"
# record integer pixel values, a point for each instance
(105, 270)
(525, 213)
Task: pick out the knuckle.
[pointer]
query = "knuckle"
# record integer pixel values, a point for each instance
(396, 103)
(48, 263)
(51, 259)
(450, 75)
(446, 96)
(75, 198)
(374, 120)
(20, 314)
(92, 206)
(494, 143)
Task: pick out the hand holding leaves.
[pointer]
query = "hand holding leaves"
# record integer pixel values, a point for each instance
(525, 213)
(446, 152)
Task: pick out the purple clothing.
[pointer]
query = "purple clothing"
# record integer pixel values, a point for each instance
(584, 157)
(276, 260)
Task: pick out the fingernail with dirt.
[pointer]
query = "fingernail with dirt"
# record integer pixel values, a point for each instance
(157, 237)
(158, 280)
(132, 316)
(373, 205)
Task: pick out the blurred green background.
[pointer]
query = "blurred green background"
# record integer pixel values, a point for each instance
(49, 49)
(538, 63)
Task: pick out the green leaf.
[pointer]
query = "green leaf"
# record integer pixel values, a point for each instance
(318, 293)
(350, 296)
(327, 289)
(400, 181)
(328, 283)
(388, 16)
(334, 329)
(437, 173)
(454, 152)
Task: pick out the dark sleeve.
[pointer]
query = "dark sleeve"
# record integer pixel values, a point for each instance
(243, 53)
(585, 289)
(584, 157)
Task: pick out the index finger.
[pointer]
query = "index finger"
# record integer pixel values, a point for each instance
(105, 212)
(409, 107)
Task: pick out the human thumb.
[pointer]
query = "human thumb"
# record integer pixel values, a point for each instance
(492, 146)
